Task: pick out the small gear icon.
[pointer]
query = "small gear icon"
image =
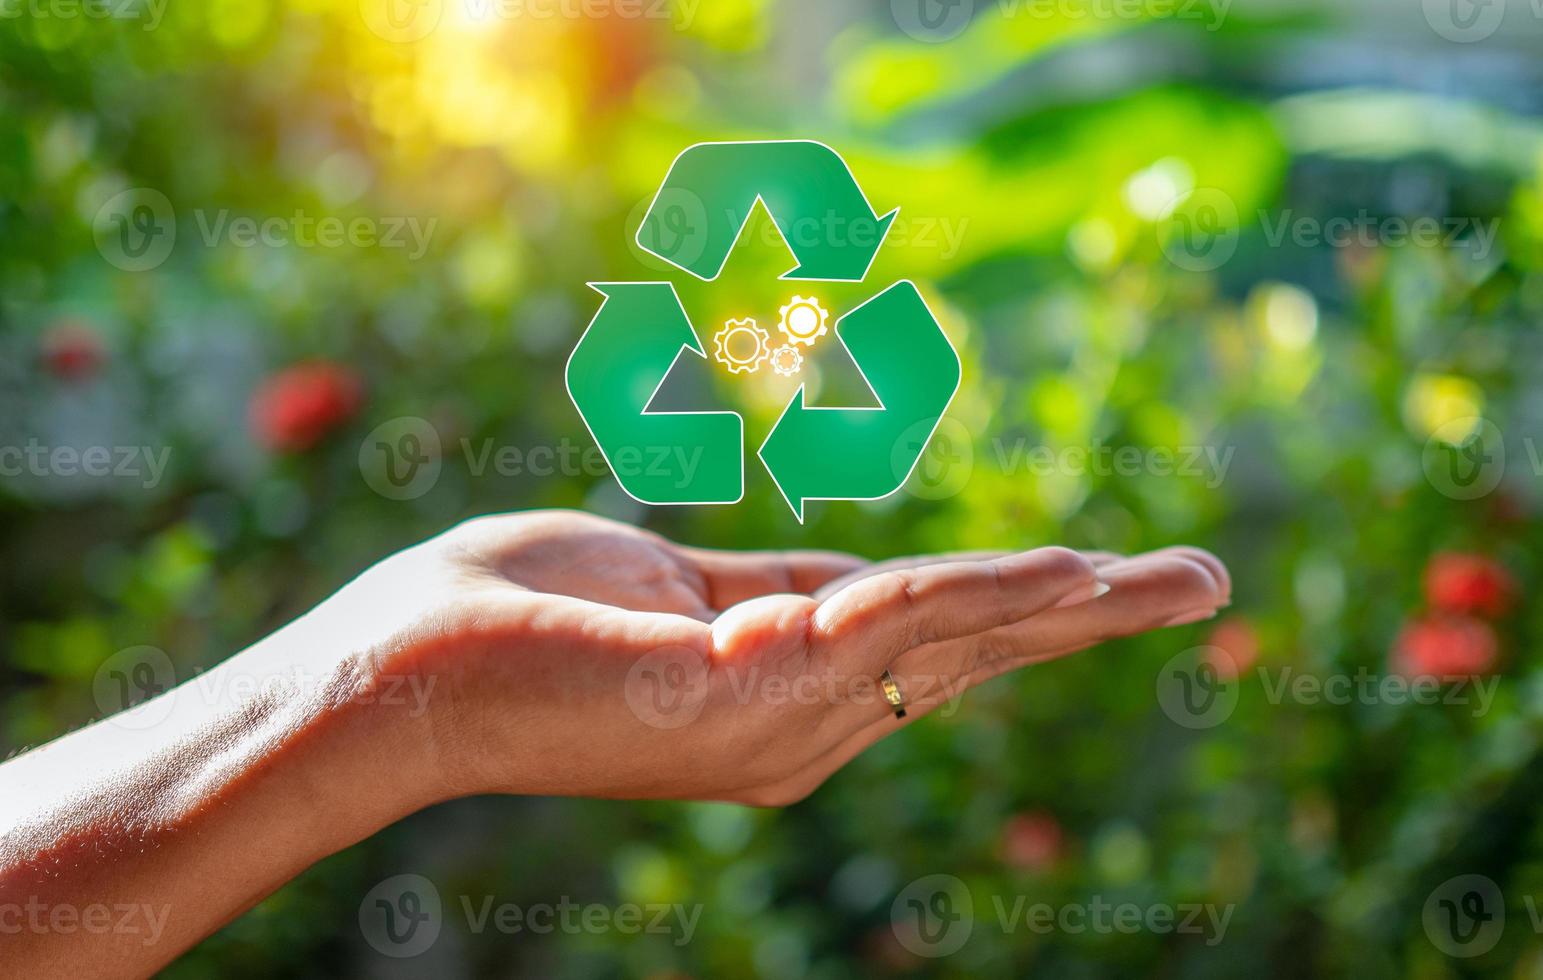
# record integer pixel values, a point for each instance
(804, 320)
(787, 361)
(741, 346)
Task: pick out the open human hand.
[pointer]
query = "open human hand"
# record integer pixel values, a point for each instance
(579, 656)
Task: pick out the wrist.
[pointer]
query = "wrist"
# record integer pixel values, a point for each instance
(353, 744)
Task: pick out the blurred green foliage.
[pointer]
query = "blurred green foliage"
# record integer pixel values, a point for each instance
(1046, 153)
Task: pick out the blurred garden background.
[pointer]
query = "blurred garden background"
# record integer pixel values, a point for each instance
(1283, 259)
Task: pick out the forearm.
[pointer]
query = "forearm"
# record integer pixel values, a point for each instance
(123, 844)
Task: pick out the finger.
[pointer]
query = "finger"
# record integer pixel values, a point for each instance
(870, 622)
(1143, 593)
(1098, 558)
(1206, 560)
(560, 624)
(895, 564)
(732, 577)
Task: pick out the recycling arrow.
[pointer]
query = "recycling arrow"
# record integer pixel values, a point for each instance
(812, 453)
(808, 189)
(867, 453)
(613, 374)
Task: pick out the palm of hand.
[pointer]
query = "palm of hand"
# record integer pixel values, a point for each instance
(587, 657)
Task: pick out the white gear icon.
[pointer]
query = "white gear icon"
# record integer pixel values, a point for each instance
(804, 320)
(787, 361)
(730, 346)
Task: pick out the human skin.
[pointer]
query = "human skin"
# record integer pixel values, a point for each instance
(546, 653)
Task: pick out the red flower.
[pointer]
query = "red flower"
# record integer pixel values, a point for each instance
(1235, 637)
(1465, 583)
(294, 409)
(1446, 647)
(72, 350)
(1032, 840)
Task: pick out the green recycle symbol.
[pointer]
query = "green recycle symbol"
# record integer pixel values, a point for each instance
(641, 328)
